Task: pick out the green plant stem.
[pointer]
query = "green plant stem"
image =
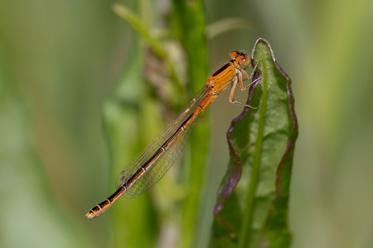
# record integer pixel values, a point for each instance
(188, 18)
(254, 176)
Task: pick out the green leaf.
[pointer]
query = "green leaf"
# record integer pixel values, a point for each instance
(142, 29)
(153, 42)
(261, 143)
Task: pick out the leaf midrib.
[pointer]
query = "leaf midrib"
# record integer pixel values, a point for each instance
(254, 176)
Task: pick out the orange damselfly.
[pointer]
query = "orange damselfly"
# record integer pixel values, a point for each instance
(157, 158)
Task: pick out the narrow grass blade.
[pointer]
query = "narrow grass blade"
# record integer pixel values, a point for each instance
(226, 25)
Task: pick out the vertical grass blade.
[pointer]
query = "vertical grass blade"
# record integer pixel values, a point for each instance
(261, 143)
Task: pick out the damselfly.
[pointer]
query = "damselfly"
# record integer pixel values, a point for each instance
(158, 157)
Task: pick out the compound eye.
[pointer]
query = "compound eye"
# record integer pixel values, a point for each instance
(241, 59)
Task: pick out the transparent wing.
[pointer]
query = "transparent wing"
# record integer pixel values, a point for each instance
(168, 158)
(159, 169)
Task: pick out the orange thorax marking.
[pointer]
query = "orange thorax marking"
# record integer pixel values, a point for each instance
(222, 77)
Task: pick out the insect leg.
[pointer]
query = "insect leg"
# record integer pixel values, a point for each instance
(231, 99)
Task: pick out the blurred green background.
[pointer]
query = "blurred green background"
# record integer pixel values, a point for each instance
(60, 62)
